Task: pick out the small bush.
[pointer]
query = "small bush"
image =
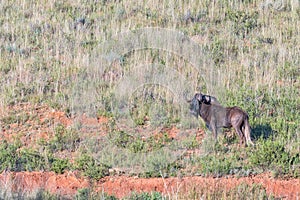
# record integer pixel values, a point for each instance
(90, 168)
(120, 138)
(273, 155)
(30, 160)
(60, 165)
(15, 159)
(8, 156)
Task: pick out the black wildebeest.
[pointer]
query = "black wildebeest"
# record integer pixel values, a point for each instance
(216, 116)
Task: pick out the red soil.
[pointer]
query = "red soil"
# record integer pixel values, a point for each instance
(121, 186)
(29, 182)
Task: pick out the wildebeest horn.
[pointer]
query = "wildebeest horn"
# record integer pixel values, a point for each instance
(186, 98)
(198, 96)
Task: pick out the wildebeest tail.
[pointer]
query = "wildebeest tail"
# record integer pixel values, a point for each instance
(247, 130)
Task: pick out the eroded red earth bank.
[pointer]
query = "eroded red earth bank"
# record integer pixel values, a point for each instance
(121, 186)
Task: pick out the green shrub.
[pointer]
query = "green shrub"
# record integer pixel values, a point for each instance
(60, 165)
(90, 168)
(8, 156)
(138, 145)
(120, 138)
(273, 155)
(30, 160)
(27, 159)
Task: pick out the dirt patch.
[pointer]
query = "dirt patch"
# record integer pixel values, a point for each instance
(30, 182)
(121, 186)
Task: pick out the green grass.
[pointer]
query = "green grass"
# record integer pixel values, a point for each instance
(50, 53)
(29, 159)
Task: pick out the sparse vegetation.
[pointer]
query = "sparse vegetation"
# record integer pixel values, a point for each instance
(242, 191)
(64, 139)
(146, 196)
(53, 54)
(86, 193)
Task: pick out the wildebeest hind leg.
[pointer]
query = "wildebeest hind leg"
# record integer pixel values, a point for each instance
(240, 134)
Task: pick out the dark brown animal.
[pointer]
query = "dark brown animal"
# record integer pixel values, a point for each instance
(216, 116)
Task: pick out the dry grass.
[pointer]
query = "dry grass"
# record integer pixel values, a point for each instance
(60, 53)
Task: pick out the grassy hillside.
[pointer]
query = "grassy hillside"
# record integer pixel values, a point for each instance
(82, 57)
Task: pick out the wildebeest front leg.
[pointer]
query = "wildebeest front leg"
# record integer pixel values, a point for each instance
(214, 129)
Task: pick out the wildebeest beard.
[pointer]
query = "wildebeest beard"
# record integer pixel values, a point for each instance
(195, 107)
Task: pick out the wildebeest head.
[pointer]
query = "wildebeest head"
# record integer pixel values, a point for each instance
(195, 103)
